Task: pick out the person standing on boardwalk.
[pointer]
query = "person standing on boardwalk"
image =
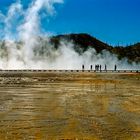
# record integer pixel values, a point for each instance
(100, 68)
(83, 67)
(90, 67)
(115, 68)
(95, 67)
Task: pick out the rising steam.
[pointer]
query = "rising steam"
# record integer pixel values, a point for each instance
(24, 47)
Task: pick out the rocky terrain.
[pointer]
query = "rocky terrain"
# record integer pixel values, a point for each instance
(70, 106)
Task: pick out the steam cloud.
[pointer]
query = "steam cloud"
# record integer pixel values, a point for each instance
(22, 48)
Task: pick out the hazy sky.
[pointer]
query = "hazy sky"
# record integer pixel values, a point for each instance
(112, 21)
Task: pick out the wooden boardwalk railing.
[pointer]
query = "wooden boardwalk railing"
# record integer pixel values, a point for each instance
(62, 71)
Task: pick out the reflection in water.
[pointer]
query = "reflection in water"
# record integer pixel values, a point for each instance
(98, 87)
(73, 110)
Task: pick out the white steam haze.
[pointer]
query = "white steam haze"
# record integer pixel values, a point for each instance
(22, 43)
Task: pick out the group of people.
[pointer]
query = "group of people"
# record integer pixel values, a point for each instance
(99, 67)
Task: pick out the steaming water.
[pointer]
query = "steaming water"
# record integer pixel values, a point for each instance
(22, 48)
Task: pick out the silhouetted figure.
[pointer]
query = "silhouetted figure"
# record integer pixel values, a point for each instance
(95, 67)
(100, 68)
(91, 67)
(83, 67)
(115, 68)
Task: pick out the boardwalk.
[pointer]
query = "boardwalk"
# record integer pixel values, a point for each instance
(72, 71)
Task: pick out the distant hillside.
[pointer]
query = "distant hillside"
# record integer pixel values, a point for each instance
(84, 41)
(130, 52)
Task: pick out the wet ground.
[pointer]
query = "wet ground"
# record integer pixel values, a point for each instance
(69, 106)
